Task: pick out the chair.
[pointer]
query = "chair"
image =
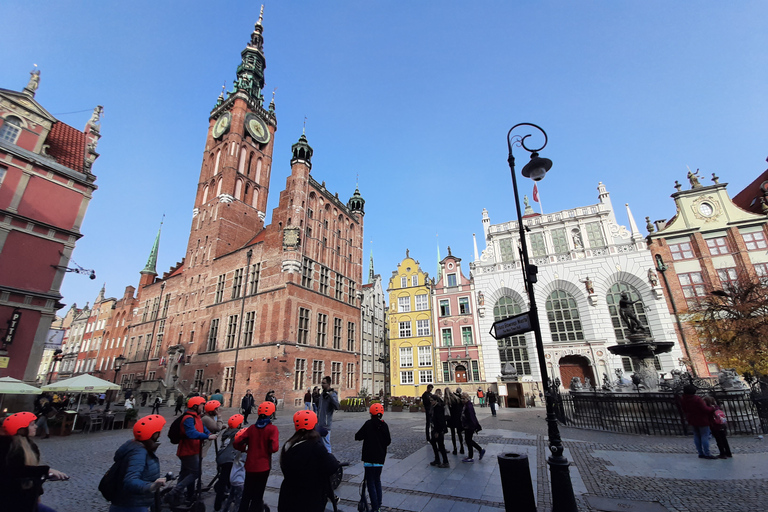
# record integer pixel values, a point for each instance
(119, 417)
(95, 422)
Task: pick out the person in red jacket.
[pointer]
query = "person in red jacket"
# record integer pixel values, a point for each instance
(697, 413)
(260, 440)
(189, 450)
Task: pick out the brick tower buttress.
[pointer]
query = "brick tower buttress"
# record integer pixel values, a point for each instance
(234, 179)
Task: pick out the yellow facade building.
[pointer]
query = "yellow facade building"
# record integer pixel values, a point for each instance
(412, 355)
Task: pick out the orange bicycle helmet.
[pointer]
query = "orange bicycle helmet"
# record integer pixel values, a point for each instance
(147, 426)
(236, 420)
(305, 420)
(376, 409)
(266, 409)
(195, 401)
(212, 405)
(14, 422)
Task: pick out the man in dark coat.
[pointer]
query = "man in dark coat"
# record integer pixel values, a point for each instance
(246, 404)
(426, 398)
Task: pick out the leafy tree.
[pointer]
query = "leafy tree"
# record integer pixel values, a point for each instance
(733, 325)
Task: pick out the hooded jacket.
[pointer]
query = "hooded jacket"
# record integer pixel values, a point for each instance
(260, 440)
(142, 468)
(375, 437)
(329, 402)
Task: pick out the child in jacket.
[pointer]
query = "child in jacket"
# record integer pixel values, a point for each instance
(260, 440)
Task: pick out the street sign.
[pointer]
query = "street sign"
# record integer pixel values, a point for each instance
(517, 324)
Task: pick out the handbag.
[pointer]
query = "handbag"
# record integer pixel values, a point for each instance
(362, 505)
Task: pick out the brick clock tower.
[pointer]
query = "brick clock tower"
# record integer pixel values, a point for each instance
(234, 179)
(251, 306)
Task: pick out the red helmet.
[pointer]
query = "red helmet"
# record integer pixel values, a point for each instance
(147, 426)
(304, 420)
(14, 422)
(195, 401)
(212, 405)
(266, 409)
(236, 420)
(376, 409)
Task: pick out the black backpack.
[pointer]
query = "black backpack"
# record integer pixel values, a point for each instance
(175, 433)
(112, 482)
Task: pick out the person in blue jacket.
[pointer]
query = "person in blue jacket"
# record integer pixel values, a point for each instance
(142, 467)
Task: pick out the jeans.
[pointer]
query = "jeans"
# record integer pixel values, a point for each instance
(327, 441)
(253, 491)
(42, 424)
(701, 440)
(308, 406)
(493, 408)
(190, 471)
(468, 433)
(373, 481)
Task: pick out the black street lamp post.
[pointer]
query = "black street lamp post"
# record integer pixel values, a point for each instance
(563, 499)
(119, 362)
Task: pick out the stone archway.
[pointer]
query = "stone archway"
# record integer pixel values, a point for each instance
(575, 366)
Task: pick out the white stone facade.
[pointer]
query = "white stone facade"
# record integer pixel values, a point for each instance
(582, 252)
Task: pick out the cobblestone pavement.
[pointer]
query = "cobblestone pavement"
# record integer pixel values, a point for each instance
(661, 469)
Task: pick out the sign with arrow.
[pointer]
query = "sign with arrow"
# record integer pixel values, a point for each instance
(517, 324)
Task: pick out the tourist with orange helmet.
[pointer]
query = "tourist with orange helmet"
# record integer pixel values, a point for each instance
(307, 468)
(375, 437)
(141, 466)
(212, 422)
(260, 440)
(23, 475)
(193, 433)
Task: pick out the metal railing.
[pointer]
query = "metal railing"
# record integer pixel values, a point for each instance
(656, 413)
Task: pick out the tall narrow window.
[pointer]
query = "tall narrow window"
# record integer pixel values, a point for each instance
(337, 333)
(350, 336)
(339, 284)
(335, 373)
(324, 280)
(595, 235)
(303, 326)
(254, 286)
(445, 307)
(559, 241)
(447, 337)
(464, 306)
(219, 289)
(403, 282)
(237, 283)
(213, 335)
(466, 335)
(229, 378)
(306, 273)
(351, 376)
(425, 356)
(422, 327)
(322, 329)
(506, 250)
(250, 319)
(300, 374)
(231, 331)
(317, 372)
(406, 357)
(537, 245)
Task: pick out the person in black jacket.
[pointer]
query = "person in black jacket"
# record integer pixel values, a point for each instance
(426, 403)
(454, 422)
(439, 428)
(375, 437)
(307, 468)
(246, 404)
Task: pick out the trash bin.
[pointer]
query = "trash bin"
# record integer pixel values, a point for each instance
(67, 420)
(516, 483)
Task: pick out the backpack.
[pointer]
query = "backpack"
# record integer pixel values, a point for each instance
(112, 482)
(175, 433)
(719, 418)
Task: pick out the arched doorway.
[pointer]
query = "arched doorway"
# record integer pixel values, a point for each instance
(460, 374)
(575, 366)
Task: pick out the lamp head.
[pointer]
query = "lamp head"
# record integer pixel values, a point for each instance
(537, 168)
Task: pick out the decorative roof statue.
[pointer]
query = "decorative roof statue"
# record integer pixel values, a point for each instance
(649, 225)
(34, 81)
(694, 179)
(96, 116)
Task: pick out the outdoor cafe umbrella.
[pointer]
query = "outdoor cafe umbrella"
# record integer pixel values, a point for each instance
(11, 386)
(81, 384)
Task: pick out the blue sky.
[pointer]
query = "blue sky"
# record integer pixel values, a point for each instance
(414, 97)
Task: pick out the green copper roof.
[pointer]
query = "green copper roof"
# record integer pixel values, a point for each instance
(151, 266)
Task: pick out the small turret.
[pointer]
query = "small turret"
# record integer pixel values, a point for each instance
(302, 152)
(356, 203)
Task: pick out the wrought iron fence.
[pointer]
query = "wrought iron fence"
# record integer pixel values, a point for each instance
(656, 413)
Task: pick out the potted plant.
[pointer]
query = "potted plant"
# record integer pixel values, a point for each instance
(397, 405)
(131, 415)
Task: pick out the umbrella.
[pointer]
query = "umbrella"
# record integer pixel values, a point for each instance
(81, 383)
(11, 386)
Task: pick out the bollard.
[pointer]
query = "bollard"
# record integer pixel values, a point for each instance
(516, 482)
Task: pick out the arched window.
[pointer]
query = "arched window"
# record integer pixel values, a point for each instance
(205, 194)
(255, 197)
(216, 166)
(238, 189)
(563, 317)
(218, 188)
(11, 129)
(250, 163)
(512, 349)
(241, 163)
(258, 170)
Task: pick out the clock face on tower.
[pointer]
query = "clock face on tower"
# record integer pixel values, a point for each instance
(257, 128)
(222, 125)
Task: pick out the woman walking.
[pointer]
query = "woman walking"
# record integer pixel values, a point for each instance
(375, 437)
(454, 421)
(471, 426)
(438, 429)
(307, 468)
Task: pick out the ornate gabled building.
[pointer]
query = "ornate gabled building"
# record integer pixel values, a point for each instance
(46, 184)
(585, 260)
(374, 336)
(411, 327)
(254, 306)
(704, 247)
(454, 309)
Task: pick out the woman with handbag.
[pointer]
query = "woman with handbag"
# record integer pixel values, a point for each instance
(471, 426)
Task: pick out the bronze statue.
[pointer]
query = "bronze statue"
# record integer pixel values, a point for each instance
(627, 313)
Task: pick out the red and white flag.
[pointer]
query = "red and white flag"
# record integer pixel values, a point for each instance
(535, 193)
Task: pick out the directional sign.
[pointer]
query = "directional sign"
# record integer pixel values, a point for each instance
(510, 326)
